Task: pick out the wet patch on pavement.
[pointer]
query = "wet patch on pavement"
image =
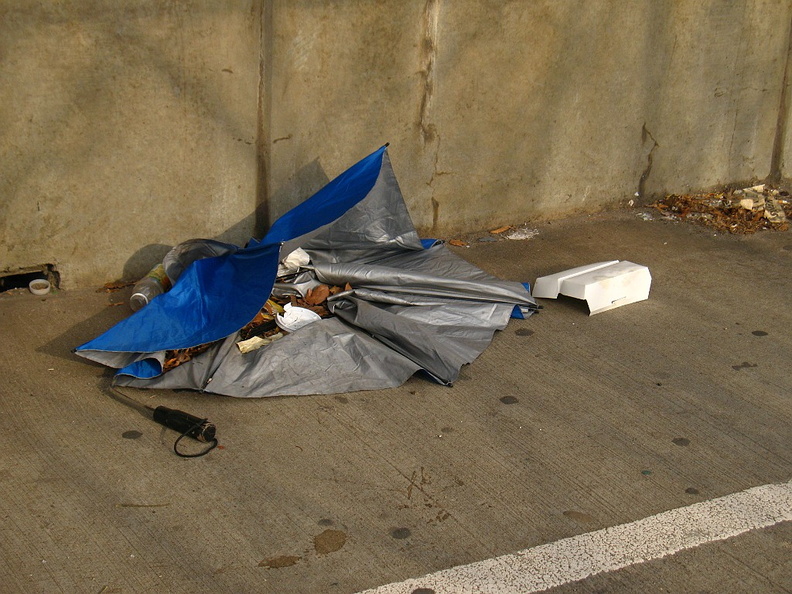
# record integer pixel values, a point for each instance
(280, 562)
(400, 533)
(744, 365)
(329, 541)
(579, 517)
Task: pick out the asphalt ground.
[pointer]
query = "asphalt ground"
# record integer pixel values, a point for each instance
(568, 430)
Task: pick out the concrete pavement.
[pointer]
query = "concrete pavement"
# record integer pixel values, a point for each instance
(566, 425)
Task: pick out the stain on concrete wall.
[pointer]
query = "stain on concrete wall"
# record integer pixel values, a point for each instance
(124, 129)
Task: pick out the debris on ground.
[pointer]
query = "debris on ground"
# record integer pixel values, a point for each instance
(500, 230)
(263, 324)
(315, 299)
(523, 233)
(396, 304)
(294, 318)
(496, 234)
(280, 315)
(256, 342)
(262, 329)
(175, 358)
(114, 286)
(735, 211)
(155, 283)
(604, 285)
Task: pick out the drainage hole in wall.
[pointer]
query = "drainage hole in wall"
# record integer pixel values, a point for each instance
(20, 278)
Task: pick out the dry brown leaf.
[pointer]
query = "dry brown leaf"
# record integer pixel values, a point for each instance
(317, 295)
(501, 229)
(115, 286)
(458, 243)
(320, 310)
(271, 308)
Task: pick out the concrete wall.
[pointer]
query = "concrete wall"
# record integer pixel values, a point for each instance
(128, 127)
(500, 112)
(125, 127)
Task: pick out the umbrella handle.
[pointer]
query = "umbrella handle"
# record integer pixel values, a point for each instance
(185, 423)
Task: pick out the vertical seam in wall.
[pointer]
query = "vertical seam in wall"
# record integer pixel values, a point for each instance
(781, 122)
(264, 118)
(428, 52)
(735, 99)
(429, 26)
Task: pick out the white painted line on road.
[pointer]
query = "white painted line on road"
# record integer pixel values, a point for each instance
(576, 558)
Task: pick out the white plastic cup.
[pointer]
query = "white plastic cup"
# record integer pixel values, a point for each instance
(39, 286)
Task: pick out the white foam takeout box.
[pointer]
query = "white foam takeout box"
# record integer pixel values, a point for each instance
(604, 285)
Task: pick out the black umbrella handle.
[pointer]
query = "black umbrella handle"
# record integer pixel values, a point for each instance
(184, 423)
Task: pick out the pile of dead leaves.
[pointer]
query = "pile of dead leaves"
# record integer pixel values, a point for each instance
(740, 212)
(175, 358)
(263, 324)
